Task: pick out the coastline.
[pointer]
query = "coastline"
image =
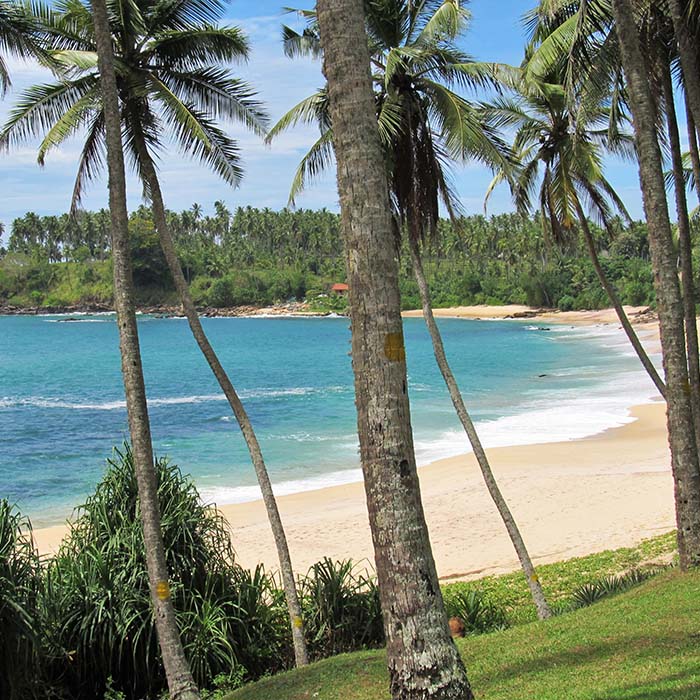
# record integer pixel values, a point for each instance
(566, 497)
(575, 484)
(637, 314)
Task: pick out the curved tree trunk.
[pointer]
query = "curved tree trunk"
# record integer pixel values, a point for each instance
(689, 57)
(685, 249)
(290, 590)
(177, 671)
(693, 147)
(617, 304)
(423, 661)
(684, 453)
(533, 582)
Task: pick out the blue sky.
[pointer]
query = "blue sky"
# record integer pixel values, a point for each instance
(496, 34)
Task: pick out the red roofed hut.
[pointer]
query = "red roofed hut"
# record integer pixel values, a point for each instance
(340, 289)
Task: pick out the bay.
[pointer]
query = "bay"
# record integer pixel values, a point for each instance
(62, 409)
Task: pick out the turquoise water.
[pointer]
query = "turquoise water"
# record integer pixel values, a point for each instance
(61, 406)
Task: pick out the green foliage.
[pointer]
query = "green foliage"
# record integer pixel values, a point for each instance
(477, 612)
(594, 591)
(19, 583)
(341, 608)
(261, 257)
(95, 603)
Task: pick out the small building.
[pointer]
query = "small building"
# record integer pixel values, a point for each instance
(340, 289)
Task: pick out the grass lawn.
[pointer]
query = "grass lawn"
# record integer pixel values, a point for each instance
(640, 645)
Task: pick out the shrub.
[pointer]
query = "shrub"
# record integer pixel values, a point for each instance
(474, 608)
(96, 606)
(566, 303)
(592, 592)
(19, 582)
(341, 609)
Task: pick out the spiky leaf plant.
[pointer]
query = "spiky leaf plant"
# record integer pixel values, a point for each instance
(19, 581)
(96, 603)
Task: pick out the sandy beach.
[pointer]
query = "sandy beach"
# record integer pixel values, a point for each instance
(569, 498)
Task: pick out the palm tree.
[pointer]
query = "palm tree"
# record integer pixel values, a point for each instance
(165, 84)
(423, 660)
(18, 36)
(561, 147)
(684, 448)
(180, 682)
(681, 14)
(423, 125)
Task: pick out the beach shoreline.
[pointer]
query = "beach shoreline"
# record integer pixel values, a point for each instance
(566, 497)
(575, 484)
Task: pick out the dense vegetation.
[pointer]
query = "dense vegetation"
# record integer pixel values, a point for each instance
(79, 625)
(261, 257)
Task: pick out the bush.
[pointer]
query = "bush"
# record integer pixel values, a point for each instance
(341, 609)
(478, 613)
(594, 591)
(566, 303)
(96, 605)
(19, 583)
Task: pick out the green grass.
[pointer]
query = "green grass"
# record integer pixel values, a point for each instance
(560, 579)
(640, 645)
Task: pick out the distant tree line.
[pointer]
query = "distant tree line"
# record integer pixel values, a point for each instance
(259, 256)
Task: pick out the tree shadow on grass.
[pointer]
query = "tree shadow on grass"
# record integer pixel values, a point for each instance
(688, 690)
(594, 659)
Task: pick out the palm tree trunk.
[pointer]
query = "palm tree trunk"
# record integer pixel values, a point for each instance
(617, 304)
(689, 57)
(533, 582)
(423, 661)
(295, 618)
(684, 452)
(180, 682)
(693, 147)
(685, 248)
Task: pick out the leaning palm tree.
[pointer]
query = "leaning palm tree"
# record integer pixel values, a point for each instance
(422, 658)
(166, 86)
(424, 125)
(684, 450)
(596, 40)
(180, 682)
(562, 148)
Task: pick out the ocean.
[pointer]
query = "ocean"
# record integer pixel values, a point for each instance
(62, 408)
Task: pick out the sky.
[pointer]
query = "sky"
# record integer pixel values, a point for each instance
(496, 34)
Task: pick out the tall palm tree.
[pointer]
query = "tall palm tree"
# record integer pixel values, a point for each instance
(561, 147)
(423, 125)
(423, 660)
(166, 85)
(180, 682)
(684, 448)
(657, 30)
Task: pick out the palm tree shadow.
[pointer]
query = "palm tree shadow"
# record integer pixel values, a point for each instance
(588, 657)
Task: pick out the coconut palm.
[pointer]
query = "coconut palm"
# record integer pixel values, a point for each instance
(422, 658)
(424, 125)
(18, 37)
(684, 449)
(177, 670)
(561, 150)
(167, 86)
(590, 38)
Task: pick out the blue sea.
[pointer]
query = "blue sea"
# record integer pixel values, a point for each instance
(62, 408)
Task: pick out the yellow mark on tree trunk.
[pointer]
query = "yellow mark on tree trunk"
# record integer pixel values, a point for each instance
(298, 623)
(534, 578)
(163, 590)
(394, 348)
